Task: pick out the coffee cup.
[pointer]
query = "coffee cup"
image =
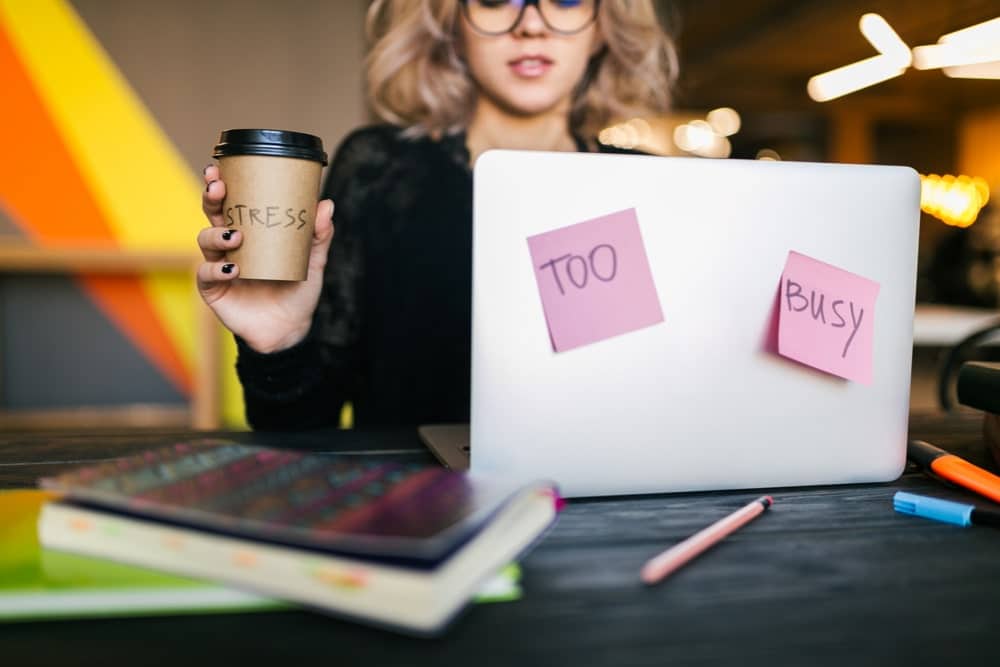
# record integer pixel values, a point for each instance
(272, 182)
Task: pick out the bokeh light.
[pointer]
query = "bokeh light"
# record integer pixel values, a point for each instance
(955, 200)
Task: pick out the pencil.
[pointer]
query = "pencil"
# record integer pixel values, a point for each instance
(676, 556)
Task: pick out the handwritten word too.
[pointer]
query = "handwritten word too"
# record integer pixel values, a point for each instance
(579, 269)
(793, 291)
(268, 216)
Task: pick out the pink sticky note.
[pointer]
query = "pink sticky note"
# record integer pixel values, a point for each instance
(594, 280)
(827, 317)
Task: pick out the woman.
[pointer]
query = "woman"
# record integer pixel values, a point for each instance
(384, 318)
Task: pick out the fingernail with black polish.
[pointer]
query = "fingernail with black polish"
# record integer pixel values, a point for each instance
(228, 234)
(205, 170)
(227, 268)
(209, 186)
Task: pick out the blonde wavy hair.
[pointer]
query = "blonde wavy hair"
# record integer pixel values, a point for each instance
(417, 80)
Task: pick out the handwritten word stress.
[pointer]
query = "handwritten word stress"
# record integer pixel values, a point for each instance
(827, 317)
(267, 216)
(594, 280)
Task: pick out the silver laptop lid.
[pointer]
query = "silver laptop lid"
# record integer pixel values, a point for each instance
(699, 400)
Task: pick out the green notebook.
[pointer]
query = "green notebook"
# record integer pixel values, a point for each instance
(37, 583)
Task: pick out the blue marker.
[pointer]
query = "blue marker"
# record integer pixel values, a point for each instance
(948, 511)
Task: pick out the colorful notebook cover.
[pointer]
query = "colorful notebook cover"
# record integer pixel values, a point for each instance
(410, 514)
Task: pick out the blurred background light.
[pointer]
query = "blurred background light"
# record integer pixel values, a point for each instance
(955, 200)
(977, 71)
(850, 78)
(678, 133)
(886, 41)
(724, 121)
(972, 52)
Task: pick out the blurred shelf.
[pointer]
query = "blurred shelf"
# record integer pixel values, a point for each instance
(204, 410)
(24, 258)
(137, 416)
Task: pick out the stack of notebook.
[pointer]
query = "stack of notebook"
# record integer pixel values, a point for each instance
(401, 545)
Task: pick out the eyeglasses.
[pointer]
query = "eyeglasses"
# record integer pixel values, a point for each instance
(496, 17)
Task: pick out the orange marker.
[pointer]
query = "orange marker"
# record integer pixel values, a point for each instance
(954, 469)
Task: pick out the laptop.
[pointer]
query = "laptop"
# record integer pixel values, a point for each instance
(718, 390)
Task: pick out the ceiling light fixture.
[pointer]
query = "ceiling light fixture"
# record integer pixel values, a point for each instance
(978, 71)
(849, 78)
(893, 59)
(972, 52)
(886, 41)
(954, 54)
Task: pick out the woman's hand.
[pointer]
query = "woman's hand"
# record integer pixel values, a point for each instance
(269, 315)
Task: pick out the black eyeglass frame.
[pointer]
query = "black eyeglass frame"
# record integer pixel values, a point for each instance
(520, 15)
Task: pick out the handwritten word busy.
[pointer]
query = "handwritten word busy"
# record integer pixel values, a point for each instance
(268, 216)
(817, 309)
(601, 262)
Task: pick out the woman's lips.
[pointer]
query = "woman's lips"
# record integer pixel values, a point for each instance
(530, 67)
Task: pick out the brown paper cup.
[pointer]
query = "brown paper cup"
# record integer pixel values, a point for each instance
(272, 201)
(272, 184)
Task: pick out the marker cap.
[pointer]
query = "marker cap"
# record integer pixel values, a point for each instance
(923, 453)
(959, 514)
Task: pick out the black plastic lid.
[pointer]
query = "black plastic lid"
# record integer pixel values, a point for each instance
(276, 143)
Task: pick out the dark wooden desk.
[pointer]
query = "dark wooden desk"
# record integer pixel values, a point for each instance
(830, 575)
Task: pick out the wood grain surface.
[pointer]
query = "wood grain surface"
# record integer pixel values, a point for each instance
(828, 576)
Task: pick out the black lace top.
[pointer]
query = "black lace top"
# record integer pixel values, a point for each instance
(392, 332)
